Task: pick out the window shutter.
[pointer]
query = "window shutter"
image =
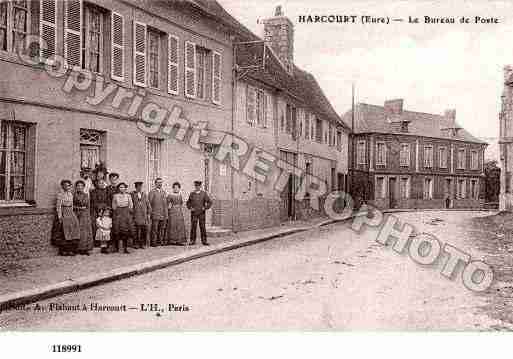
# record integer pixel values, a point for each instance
(172, 84)
(73, 32)
(117, 65)
(139, 54)
(190, 69)
(216, 78)
(48, 27)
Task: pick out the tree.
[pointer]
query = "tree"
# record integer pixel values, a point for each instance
(492, 181)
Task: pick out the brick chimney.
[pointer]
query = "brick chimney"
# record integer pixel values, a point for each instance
(394, 107)
(279, 33)
(450, 126)
(450, 114)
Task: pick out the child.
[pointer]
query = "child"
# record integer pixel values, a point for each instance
(104, 225)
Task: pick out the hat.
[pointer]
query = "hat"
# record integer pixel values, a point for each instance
(138, 183)
(197, 183)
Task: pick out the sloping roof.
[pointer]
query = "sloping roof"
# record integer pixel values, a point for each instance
(372, 118)
(301, 85)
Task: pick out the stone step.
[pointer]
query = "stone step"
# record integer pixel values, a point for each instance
(215, 231)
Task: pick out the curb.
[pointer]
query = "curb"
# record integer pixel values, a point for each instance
(18, 299)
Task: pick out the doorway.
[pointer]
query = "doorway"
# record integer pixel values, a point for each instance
(392, 192)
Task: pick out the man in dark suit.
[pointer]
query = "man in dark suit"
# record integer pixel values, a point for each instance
(112, 189)
(198, 203)
(158, 203)
(142, 212)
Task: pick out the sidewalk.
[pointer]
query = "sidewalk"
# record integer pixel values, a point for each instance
(40, 278)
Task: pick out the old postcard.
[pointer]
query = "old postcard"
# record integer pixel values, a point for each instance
(203, 165)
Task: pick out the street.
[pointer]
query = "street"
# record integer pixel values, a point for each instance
(330, 278)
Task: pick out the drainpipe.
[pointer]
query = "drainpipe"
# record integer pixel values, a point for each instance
(232, 129)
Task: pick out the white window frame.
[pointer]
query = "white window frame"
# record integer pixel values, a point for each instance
(203, 53)
(474, 164)
(382, 161)
(10, 29)
(461, 164)
(159, 54)
(428, 162)
(430, 191)
(361, 156)
(405, 163)
(474, 195)
(461, 191)
(150, 160)
(87, 9)
(442, 160)
(8, 151)
(408, 188)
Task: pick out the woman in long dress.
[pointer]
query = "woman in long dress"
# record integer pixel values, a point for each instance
(176, 234)
(69, 227)
(81, 206)
(123, 223)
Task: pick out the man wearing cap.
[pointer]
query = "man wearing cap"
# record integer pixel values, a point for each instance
(198, 203)
(142, 211)
(112, 189)
(158, 203)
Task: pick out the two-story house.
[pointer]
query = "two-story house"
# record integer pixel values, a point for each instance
(282, 110)
(132, 60)
(407, 159)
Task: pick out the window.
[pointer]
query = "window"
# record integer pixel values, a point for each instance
(404, 155)
(261, 108)
(251, 105)
(443, 157)
(154, 158)
(461, 190)
(339, 140)
(282, 121)
(294, 122)
(140, 54)
(330, 135)
(90, 148)
(318, 130)
(380, 187)
(307, 126)
(404, 187)
(428, 188)
(92, 39)
(300, 120)
(14, 158)
(333, 179)
(474, 188)
(360, 153)
(153, 58)
(428, 156)
(201, 72)
(190, 69)
(381, 154)
(461, 159)
(326, 139)
(288, 119)
(474, 161)
(14, 21)
(312, 129)
(172, 72)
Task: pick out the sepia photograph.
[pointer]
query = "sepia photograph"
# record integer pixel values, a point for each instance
(265, 166)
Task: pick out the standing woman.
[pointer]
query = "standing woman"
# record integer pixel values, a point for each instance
(67, 220)
(123, 223)
(83, 212)
(176, 234)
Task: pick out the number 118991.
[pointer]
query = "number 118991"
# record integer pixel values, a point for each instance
(59, 348)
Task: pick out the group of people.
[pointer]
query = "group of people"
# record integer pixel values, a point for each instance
(118, 220)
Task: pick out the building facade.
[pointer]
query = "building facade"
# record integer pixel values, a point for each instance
(131, 84)
(406, 159)
(506, 141)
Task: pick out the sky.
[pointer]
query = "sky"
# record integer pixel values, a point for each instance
(433, 67)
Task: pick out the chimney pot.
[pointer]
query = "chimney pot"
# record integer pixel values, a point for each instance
(450, 114)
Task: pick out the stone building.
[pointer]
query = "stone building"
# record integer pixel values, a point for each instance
(407, 159)
(142, 79)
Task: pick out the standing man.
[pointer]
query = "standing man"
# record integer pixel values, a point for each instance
(158, 204)
(112, 189)
(142, 211)
(198, 203)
